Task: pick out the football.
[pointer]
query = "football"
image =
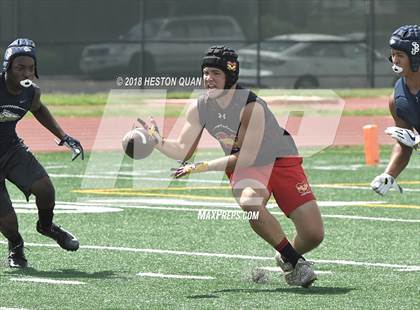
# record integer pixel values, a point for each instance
(138, 144)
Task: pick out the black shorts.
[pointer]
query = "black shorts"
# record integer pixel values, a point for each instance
(19, 166)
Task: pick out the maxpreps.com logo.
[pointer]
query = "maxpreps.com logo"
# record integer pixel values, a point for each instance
(231, 66)
(303, 188)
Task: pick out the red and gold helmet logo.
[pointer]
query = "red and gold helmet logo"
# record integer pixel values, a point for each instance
(303, 188)
(231, 66)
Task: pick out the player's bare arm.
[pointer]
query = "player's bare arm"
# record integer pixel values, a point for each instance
(186, 143)
(43, 115)
(401, 154)
(46, 119)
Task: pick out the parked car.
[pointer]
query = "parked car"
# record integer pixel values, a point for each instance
(312, 61)
(171, 46)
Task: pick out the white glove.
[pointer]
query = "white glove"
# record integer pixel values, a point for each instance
(405, 136)
(383, 183)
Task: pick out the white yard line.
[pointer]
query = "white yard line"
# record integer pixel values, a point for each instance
(173, 276)
(115, 205)
(233, 256)
(183, 202)
(112, 177)
(45, 280)
(336, 216)
(340, 186)
(369, 218)
(24, 207)
(278, 269)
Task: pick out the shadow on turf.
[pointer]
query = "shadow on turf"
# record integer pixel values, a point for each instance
(64, 273)
(317, 290)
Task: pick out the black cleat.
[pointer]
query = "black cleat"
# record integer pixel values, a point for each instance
(64, 238)
(16, 257)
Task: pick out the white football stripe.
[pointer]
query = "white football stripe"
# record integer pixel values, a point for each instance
(173, 276)
(142, 136)
(45, 280)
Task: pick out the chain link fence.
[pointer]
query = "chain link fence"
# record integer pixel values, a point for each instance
(281, 43)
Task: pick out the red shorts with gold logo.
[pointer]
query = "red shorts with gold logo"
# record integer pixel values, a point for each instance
(286, 180)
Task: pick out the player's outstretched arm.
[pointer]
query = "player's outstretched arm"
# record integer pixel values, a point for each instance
(250, 137)
(46, 119)
(184, 146)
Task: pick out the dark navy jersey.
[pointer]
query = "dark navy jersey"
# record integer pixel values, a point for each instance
(12, 109)
(224, 124)
(407, 105)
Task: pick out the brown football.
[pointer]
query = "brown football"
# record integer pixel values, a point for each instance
(138, 144)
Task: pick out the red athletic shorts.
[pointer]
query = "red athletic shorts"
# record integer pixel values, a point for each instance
(286, 180)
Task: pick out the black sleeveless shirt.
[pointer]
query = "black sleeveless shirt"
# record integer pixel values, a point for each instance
(12, 109)
(407, 105)
(224, 124)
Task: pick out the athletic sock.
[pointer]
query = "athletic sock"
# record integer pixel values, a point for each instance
(288, 253)
(45, 217)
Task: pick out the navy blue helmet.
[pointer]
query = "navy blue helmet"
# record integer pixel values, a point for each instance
(407, 39)
(19, 47)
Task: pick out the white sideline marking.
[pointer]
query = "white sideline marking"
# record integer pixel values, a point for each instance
(90, 176)
(340, 186)
(203, 181)
(96, 206)
(278, 269)
(369, 218)
(410, 269)
(220, 204)
(55, 167)
(45, 280)
(235, 256)
(351, 217)
(64, 208)
(338, 167)
(173, 276)
(351, 167)
(7, 308)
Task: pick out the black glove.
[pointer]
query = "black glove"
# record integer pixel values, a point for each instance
(74, 145)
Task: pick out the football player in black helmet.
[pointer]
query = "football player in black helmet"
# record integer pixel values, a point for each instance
(18, 95)
(261, 159)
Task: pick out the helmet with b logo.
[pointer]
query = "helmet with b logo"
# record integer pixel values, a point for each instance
(407, 39)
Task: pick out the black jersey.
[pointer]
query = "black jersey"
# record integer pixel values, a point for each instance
(12, 109)
(407, 105)
(224, 124)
